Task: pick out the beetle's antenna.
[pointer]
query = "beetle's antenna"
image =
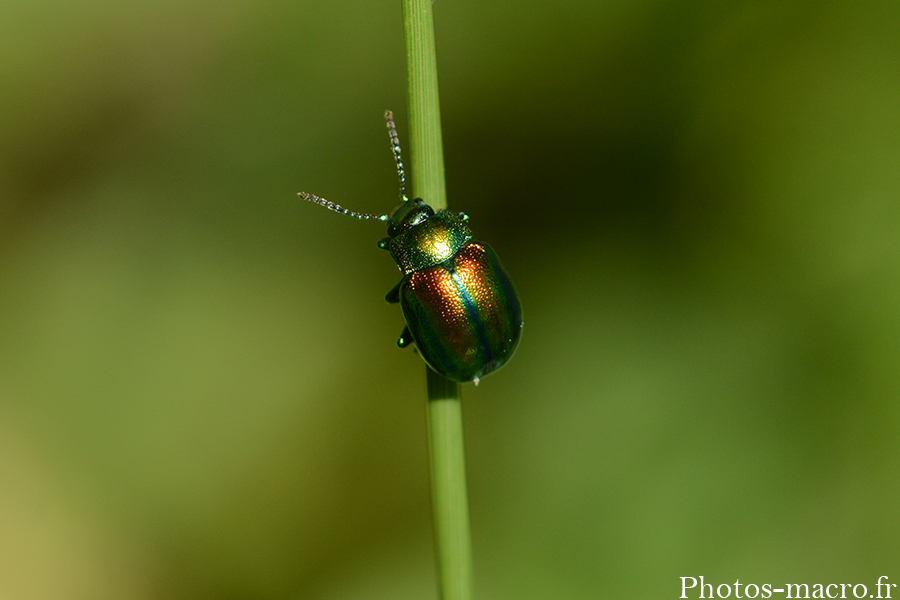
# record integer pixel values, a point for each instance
(395, 146)
(340, 209)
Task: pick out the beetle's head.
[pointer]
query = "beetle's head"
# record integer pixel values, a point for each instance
(408, 214)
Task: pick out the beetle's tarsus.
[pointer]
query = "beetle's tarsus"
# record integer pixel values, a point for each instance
(405, 338)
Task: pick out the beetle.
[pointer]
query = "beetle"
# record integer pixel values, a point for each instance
(461, 309)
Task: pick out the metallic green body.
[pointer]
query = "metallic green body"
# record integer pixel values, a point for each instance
(461, 309)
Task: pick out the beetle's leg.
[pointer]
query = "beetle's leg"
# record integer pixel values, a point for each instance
(405, 338)
(393, 296)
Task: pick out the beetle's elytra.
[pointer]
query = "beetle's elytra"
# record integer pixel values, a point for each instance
(461, 308)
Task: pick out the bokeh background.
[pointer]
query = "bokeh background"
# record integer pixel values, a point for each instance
(200, 395)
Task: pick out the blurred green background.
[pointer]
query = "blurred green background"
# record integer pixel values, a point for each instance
(200, 395)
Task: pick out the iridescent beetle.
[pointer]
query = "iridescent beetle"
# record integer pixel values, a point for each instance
(461, 309)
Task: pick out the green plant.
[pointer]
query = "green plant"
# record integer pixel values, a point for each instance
(445, 432)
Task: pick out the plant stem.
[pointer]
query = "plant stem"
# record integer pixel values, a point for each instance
(426, 143)
(453, 545)
(452, 540)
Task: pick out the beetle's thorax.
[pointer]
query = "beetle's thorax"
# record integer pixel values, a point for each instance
(429, 240)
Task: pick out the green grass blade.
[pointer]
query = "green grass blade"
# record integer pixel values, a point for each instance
(453, 544)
